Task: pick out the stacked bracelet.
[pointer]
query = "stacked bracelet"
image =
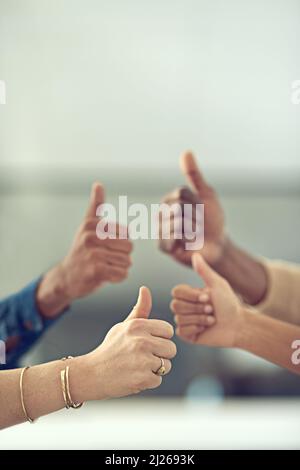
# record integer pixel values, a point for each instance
(65, 385)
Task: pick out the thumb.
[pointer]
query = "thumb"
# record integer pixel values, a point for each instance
(96, 199)
(200, 266)
(194, 176)
(143, 306)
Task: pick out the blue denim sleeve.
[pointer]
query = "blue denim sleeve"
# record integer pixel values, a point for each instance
(21, 325)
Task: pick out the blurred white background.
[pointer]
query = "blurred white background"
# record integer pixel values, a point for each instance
(132, 83)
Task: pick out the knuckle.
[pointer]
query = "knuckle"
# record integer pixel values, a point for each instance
(180, 288)
(154, 382)
(174, 305)
(168, 365)
(166, 329)
(86, 239)
(170, 330)
(130, 245)
(124, 274)
(199, 308)
(133, 326)
(87, 224)
(142, 344)
(91, 273)
(137, 384)
(173, 350)
(141, 383)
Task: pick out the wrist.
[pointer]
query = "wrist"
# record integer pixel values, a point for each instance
(226, 249)
(246, 275)
(81, 379)
(88, 381)
(52, 296)
(244, 334)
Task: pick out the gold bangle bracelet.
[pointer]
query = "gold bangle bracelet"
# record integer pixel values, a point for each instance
(22, 396)
(65, 384)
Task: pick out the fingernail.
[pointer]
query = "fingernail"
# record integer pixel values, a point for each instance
(203, 298)
(208, 309)
(210, 320)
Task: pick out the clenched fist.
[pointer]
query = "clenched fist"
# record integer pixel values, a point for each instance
(90, 263)
(211, 315)
(202, 193)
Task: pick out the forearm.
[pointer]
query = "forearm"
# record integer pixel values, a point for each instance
(42, 390)
(269, 339)
(245, 274)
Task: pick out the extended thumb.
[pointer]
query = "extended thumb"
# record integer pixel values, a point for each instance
(200, 266)
(97, 198)
(143, 306)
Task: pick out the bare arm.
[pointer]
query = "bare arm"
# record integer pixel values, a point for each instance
(124, 364)
(245, 274)
(270, 339)
(42, 390)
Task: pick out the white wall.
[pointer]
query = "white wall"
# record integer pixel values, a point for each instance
(134, 82)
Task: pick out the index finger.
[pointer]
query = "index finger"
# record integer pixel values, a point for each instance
(186, 292)
(160, 328)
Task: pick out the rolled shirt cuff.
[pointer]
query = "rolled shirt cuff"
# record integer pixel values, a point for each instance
(282, 299)
(24, 321)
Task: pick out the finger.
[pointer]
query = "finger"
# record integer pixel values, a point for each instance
(125, 246)
(96, 199)
(116, 274)
(111, 230)
(204, 295)
(100, 272)
(160, 328)
(154, 381)
(186, 292)
(143, 306)
(156, 364)
(90, 240)
(180, 307)
(201, 320)
(190, 331)
(114, 258)
(194, 176)
(163, 348)
(118, 259)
